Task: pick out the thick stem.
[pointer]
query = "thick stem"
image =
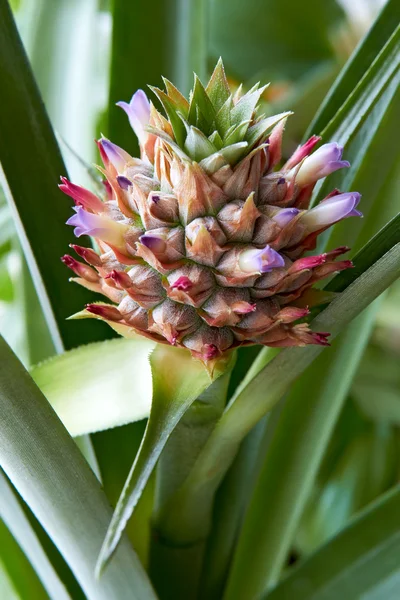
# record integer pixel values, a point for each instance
(230, 502)
(176, 569)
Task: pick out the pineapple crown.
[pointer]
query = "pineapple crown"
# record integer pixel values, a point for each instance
(200, 243)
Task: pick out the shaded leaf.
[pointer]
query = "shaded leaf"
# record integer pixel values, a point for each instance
(360, 562)
(25, 128)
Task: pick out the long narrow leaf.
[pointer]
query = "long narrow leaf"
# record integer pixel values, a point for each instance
(32, 165)
(356, 67)
(14, 563)
(360, 562)
(373, 250)
(13, 516)
(47, 469)
(291, 464)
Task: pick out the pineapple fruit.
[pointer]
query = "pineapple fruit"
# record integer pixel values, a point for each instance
(201, 242)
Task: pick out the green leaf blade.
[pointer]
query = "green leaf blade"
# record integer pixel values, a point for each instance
(99, 386)
(46, 467)
(177, 381)
(360, 562)
(27, 141)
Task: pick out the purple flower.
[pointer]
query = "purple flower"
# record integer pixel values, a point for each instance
(260, 261)
(97, 226)
(331, 211)
(116, 155)
(284, 216)
(321, 163)
(138, 111)
(302, 152)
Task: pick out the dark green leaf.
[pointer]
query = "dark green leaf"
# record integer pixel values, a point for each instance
(282, 39)
(360, 562)
(130, 39)
(373, 250)
(32, 165)
(357, 66)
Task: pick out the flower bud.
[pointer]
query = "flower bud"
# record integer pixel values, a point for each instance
(260, 261)
(105, 311)
(282, 336)
(80, 269)
(89, 255)
(321, 163)
(81, 196)
(115, 155)
(101, 227)
(138, 111)
(331, 211)
(302, 152)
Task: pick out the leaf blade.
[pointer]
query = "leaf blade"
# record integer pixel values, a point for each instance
(357, 563)
(50, 474)
(173, 392)
(98, 386)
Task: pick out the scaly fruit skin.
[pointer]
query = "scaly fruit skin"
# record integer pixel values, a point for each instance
(201, 240)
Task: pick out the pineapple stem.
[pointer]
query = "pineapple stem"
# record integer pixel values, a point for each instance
(176, 462)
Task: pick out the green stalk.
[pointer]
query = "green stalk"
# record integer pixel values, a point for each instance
(233, 495)
(291, 464)
(175, 570)
(186, 519)
(230, 502)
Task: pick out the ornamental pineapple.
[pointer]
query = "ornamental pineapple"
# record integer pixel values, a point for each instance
(200, 243)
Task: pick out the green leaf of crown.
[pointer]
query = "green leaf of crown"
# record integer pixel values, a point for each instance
(214, 122)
